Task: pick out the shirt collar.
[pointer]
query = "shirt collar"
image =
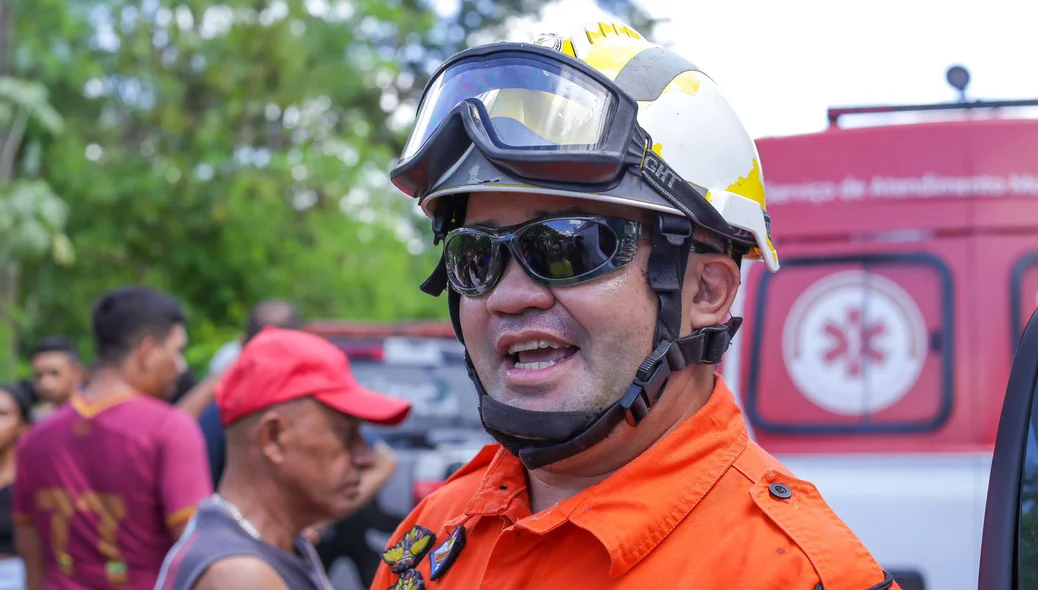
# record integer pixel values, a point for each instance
(630, 513)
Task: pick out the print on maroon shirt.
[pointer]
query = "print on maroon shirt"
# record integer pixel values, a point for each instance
(104, 484)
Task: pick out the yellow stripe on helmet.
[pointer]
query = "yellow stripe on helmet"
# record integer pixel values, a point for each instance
(687, 82)
(612, 46)
(750, 186)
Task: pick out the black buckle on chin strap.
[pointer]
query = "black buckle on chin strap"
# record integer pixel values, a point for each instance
(708, 345)
(716, 340)
(644, 392)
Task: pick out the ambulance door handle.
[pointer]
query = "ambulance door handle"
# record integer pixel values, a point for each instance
(936, 341)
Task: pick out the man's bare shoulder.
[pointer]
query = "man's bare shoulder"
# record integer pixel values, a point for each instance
(240, 572)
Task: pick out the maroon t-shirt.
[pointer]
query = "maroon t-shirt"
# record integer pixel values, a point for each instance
(103, 484)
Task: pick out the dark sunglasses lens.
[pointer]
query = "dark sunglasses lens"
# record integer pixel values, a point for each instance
(567, 248)
(469, 261)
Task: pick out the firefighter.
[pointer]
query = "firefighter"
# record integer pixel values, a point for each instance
(595, 196)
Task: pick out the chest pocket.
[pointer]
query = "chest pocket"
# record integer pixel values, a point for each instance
(838, 556)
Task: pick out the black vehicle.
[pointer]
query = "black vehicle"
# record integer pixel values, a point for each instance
(1009, 550)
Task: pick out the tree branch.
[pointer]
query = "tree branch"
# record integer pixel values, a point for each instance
(11, 145)
(5, 35)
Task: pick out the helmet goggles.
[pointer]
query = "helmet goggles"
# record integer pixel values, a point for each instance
(533, 111)
(543, 116)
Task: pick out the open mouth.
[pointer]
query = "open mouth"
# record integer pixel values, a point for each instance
(534, 355)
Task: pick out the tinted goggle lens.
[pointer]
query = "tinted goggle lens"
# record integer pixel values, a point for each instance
(530, 103)
(564, 251)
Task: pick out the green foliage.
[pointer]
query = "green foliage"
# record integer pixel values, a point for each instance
(31, 221)
(20, 96)
(32, 217)
(229, 152)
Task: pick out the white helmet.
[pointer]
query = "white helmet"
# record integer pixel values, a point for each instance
(691, 125)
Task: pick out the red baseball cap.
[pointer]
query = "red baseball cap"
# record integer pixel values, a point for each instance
(279, 365)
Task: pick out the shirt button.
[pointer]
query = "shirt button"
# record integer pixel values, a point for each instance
(780, 491)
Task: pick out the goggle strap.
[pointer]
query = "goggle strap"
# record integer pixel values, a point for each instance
(679, 193)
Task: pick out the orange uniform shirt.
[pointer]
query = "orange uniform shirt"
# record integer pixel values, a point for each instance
(704, 508)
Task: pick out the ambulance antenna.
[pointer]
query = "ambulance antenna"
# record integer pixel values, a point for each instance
(959, 78)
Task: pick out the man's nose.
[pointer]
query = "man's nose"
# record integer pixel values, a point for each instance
(515, 292)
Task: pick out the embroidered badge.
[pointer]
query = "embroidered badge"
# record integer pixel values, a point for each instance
(409, 550)
(409, 580)
(442, 558)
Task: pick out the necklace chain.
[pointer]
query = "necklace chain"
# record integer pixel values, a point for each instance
(321, 578)
(237, 516)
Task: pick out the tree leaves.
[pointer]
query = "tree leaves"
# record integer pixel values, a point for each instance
(32, 219)
(229, 152)
(29, 97)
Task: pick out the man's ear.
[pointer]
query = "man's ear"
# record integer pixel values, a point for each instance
(141, 353)
(711, 284)
(273, 432)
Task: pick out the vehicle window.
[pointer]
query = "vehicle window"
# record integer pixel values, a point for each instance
(1027, 549)
(852, 345)
(1023, 292)
(442, 395)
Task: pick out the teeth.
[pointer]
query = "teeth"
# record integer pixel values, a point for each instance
(534, 366)
(534, 345)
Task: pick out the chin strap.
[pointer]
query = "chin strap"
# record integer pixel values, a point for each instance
(543, 438)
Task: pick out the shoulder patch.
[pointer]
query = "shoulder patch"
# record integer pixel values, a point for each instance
(409, 550)
(840, 558)
(409, 580)
(442, 558)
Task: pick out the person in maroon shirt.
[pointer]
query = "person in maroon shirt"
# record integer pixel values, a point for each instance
(107, 483)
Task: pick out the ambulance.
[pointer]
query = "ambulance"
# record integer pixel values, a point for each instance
(875, 362)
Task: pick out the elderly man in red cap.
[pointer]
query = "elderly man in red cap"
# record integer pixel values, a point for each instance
(292, 413)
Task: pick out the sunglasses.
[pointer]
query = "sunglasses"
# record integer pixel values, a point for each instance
(554, 251)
